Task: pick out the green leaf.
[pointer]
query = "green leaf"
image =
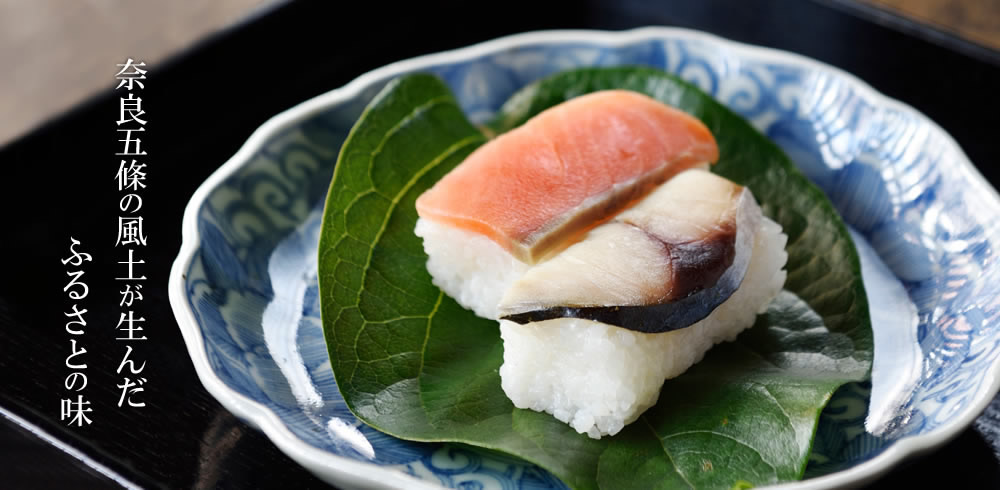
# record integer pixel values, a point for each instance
(411, 362)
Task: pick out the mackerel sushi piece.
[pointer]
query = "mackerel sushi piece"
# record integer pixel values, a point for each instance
(529, 193)
(695, 262)
(662, 265)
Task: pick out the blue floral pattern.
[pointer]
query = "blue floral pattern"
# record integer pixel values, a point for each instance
(925, 224)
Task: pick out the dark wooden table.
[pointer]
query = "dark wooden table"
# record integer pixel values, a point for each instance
(975, 20)
(59, 182)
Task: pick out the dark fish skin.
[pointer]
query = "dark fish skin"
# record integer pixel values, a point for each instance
(705, 279)
(699, 265)
(663, 265)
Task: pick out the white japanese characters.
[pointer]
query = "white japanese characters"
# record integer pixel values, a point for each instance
(74, 407)
(131, 179)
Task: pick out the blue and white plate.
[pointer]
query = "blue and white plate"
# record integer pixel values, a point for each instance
(244, 285)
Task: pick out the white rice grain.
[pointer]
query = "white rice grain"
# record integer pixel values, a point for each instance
(469, 267)
(595, 377)
(599, 378)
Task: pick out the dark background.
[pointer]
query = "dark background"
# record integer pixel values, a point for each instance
(59, 182)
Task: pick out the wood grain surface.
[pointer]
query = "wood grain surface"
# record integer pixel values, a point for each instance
(55, 53)
(975, 20)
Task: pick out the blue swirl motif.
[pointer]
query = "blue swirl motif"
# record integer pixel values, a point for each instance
(882, 169)
(891, 177)
(258, 225)
(841, 431)
(460, 466)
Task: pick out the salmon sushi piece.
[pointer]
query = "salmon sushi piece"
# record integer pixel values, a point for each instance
(529, 193)
(566, 169)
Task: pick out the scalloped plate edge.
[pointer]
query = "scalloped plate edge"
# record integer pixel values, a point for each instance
(333, 468)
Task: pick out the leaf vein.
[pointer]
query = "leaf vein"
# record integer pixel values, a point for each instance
(665, 450)
(423, 348)
(396, 127)
(392, 206)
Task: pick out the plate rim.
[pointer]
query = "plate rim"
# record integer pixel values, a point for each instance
(351, 471)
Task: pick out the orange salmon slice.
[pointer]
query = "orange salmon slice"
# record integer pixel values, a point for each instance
(535, 188)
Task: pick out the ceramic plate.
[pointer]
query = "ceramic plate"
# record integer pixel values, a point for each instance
(245, 294)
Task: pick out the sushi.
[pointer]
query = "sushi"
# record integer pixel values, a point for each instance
(661, 265)
(530, 192)
(590, 335)
(609, 255)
